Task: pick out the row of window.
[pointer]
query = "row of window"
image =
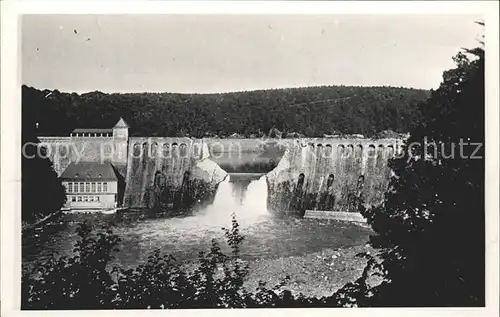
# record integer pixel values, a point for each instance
(152, 149)
(87, 187)
(86, 134)
(85, 198)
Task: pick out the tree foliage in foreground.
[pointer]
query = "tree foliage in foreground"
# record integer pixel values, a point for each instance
(311, 111)
(431, 225)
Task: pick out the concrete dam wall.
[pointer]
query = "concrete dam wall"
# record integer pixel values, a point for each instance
(312, 174)
(331, 174)
(316, 174)
(169, 173)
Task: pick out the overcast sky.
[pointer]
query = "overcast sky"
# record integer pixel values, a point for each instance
(202, 53)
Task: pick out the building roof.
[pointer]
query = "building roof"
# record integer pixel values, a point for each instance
(121, 124)
(92, 131)
(90, 171)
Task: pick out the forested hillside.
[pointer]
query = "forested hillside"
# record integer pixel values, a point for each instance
(312, 111)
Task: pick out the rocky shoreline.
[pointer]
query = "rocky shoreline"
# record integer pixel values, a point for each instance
(316, 274)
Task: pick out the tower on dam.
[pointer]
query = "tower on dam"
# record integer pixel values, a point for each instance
(86, 150)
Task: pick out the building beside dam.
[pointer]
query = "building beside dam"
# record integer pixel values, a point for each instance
(90, 186)
(91, 164)
(165, 172)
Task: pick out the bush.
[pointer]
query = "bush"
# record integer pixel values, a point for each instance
(79, 282)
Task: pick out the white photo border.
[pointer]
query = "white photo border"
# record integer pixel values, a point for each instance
(11, 12)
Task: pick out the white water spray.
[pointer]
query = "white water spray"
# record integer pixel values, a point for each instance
(224, 198)
(255, 200)
(252, 209)
(207, 223)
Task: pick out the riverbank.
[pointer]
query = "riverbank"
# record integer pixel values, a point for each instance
(316, 274)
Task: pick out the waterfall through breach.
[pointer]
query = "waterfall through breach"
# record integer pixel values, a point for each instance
(250, 205)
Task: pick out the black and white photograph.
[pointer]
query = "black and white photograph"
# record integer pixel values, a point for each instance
(193, 161)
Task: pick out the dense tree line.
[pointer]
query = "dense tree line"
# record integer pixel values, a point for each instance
(312, 111)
